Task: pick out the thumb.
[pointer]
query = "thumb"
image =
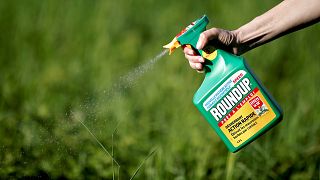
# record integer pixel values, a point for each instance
(206, 36)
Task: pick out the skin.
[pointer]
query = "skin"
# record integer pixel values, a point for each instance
(286, 17)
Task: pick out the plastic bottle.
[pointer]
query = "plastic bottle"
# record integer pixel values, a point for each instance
(231, 98)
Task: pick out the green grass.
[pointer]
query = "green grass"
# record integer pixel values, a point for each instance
(59, 58)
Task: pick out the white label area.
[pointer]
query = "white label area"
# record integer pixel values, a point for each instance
(223, 90)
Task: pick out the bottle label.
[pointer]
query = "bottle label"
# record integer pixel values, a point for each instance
(239, 107)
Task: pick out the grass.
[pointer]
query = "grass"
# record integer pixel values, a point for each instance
(59, 58)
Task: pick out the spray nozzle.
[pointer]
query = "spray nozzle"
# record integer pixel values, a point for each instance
(189, 35)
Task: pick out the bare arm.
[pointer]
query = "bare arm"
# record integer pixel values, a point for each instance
(286, 17)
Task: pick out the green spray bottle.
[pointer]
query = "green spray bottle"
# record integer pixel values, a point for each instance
(231, 98)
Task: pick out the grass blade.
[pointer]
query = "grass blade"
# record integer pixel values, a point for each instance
(137, 170)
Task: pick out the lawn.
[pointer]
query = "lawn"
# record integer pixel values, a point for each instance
(68, 105)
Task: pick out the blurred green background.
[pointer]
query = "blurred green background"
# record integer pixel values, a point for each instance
(59, 58)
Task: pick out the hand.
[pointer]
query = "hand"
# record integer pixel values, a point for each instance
(219, 38)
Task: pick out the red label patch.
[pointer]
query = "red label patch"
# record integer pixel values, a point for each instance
(256, 103)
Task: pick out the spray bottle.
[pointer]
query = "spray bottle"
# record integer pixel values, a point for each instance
(231, 98)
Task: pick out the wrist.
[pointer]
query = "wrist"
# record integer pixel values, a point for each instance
(251, 35)
(238, 45)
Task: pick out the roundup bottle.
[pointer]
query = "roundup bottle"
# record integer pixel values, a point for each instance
(231, 98)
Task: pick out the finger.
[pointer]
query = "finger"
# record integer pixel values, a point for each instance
(196, 66)
(194, 59)
(200, 71)
(206, 36)
(189, 51)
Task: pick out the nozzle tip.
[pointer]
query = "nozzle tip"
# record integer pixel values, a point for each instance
(174, 44)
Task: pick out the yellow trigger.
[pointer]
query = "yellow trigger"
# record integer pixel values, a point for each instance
(188, 46)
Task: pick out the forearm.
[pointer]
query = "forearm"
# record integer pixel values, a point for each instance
(286, 17)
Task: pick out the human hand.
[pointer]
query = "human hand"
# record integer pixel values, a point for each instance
(219, 38)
